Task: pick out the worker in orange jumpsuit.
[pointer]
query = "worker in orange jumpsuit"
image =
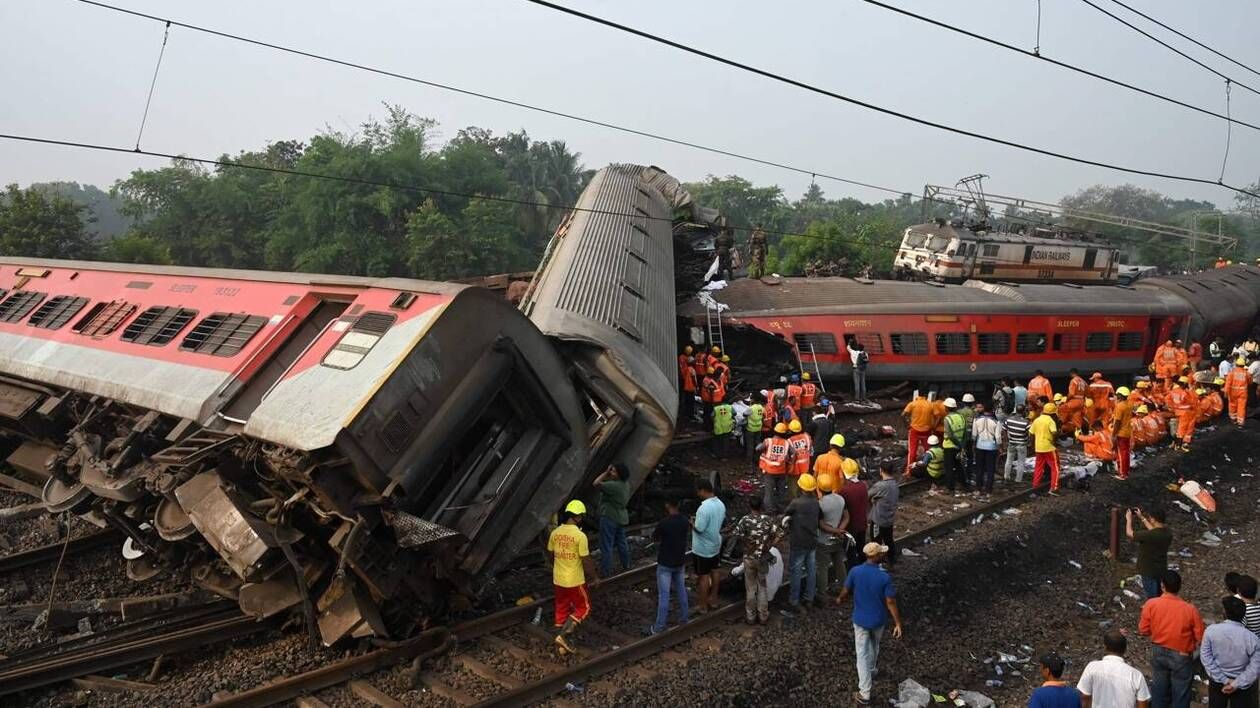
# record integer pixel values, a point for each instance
(776, 455)
(1194, 355)
(794, 392)
(1121, 428)
(723, 369)
(712, 392)
(1184, 404)
(1039, 386)
(689, 385)
(1166, 357)
(802, 445)
(920, 418)
(809, 392)
(939, 411)
(1099, 444)
(684, 359)
(1237, 383)
(1100, 392)
(1209, 404)
(1072, 410)
(1154, 426)
(1141, 436)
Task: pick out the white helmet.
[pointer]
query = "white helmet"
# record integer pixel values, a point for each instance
(933, 440)
(968, 398)
(951, 403)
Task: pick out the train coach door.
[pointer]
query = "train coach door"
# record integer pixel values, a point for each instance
(1091, 255)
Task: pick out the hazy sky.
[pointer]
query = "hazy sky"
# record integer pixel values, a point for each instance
(73, 71)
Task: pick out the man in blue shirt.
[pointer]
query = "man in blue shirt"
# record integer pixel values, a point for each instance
(1054, 691)
(1231, 655)
(874, 600)
(706, 545)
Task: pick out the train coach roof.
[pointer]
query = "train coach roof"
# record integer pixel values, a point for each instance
(310, 279)
(950, 231)
(804, 296)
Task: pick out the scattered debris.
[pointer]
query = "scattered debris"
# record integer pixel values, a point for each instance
(1210, 539)
(1075, 564)
(911, 694)
(1193, 491)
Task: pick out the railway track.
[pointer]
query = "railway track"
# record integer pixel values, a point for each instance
(52, 552)
(481, 646)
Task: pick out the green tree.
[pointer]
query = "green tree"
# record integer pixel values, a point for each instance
(37, 224)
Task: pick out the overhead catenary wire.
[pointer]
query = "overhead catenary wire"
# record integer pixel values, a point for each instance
(797, 83)
(144, 118)
(1167, 46)
(1036, 54)
(1185, 36)
(433, 191)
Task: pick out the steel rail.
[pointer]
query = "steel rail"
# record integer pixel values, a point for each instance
(52, 551)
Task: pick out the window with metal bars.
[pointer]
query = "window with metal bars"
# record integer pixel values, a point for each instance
(1098, 342)
(354, 345)
(816, 343)
(222, 333)
(1129, 341)
(993, 342)
(103, 318)
(157, 326)
(1067, 342)
(871, 340)
(909, 343)
(55, 313)
(1030, 343)
(19, 304)
(953, 343)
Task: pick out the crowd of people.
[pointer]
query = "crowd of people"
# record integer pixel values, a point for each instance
(826, 535)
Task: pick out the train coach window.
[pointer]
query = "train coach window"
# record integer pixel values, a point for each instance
(17, 305)
(1067, 342)
(57, 312)
(873, 342)
(819, 343)
(157, 326)
(909, 343)
(991, 250)
(953, 343)
(1098, 342)
(355, 344)
(103, 318)
(222, 333)
(1129, 341)
(993, 342)
(1030, 342)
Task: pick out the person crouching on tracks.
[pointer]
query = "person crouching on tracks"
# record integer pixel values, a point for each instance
(931, 464)
(572, 573)
(1099, 445)
(954, 440)
(776, 455)
(802, 454)
(1044, 429)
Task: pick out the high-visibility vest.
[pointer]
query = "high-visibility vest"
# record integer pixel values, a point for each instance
(775, 455)
(712, 390)
(802, 451)
(955, 430)
(723, 419)
(1077, 387)
(809, 394)
(794, 395)
(755, 414)
(688, 379)
(936, 462)
(723, 372)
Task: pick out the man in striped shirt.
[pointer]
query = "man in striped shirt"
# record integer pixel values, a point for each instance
(1015, 435)
(1247, 593)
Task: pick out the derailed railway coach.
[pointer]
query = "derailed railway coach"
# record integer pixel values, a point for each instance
(352, 449)
(978, 331)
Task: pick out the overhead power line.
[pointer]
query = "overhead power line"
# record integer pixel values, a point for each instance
(1185, 36)
(1036, 54)
(874, 107)
(1168, 46)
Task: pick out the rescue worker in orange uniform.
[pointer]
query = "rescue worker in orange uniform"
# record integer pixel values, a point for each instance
(794, 391)
(1121, 429)
(1039, 386)
(920, 418)
(1209, 404)
(1072, 410)
(689, 385)
(1237, 383)
(1194, 355)
(1100, 392)
(1166, 356)
(776, 455)
(1099, 445)
(802, 444)
(1183, 358)
(1184, 404)
(685, 360)
(939, 411)
(723, 369)
(712, 392)
(809, 392)
(1141, 433)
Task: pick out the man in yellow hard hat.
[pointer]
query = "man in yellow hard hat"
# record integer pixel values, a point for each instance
(802, 453)
(776, 455)
(833, 543)
(1122, 431)
(1237, 383)
(1044, 430)
(803, 515)
(572, 572)
(809, 392)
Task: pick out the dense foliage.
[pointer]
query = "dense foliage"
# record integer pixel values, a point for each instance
(423, 222)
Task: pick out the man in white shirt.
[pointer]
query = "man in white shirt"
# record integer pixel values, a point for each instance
(1110, 682)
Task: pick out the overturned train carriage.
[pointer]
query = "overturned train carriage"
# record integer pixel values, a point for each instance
(352, 448)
